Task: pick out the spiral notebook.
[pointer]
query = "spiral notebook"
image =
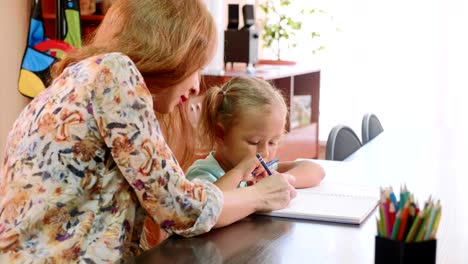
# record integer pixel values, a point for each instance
(332, 202)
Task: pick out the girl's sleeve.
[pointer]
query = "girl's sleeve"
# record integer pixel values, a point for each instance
(123, 109)
(198, 171)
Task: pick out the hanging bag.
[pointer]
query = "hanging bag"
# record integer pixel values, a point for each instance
(41, 52)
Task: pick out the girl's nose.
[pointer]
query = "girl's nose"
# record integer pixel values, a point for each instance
(265, 153)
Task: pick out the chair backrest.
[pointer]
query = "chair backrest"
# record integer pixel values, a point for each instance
(342, 142)
(371, 127)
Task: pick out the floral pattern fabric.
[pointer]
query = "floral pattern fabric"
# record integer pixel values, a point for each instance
(86, 163)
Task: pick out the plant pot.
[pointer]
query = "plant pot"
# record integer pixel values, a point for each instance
(276, 62)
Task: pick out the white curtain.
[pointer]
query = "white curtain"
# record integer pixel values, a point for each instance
(402, 60)
(217, 10)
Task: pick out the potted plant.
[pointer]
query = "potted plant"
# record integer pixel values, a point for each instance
(282, 24)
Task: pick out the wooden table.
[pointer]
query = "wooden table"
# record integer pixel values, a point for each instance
(428, 161)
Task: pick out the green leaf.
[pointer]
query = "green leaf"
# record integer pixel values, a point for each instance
(280, 28)
(285, 2)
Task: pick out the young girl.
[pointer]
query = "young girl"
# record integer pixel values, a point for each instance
(245, 117)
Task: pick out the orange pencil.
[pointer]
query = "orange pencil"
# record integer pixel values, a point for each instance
(404, 219)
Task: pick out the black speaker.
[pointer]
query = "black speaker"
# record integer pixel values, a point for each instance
(233, 16)
(248, 13)
(241, 46)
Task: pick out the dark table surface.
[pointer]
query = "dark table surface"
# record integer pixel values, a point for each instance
(429, 163)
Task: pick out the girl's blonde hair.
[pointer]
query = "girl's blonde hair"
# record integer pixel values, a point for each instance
(226, 104)
(168, 40)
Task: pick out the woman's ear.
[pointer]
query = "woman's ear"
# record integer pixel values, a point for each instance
(219, 133)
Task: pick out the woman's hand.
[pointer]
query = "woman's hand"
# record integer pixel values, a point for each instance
(272, 193)
(275, 192)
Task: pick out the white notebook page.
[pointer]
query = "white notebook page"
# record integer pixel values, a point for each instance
(332, 202)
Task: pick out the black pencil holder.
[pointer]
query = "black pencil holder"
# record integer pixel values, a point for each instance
(398, 252)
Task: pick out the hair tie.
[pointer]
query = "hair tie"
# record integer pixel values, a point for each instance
(222, 92)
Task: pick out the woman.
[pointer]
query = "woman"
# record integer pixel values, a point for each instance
(86, 161)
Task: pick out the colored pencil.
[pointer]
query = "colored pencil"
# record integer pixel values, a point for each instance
(396, 227)
(259, 157)
(422, 230)
(430, 225)
(404, 219)
(415, 227)
(436, 223)
(382, 221)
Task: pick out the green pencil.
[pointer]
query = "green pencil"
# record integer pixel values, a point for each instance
(423, 228)
(379, 233)
(396, 226)
(436, 224)
(382, 221)
(434, 213)
(416, 224)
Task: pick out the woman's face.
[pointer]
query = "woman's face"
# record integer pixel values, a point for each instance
(167, 99)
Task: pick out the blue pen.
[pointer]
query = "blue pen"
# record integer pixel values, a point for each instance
(271, 162)
(263, 164)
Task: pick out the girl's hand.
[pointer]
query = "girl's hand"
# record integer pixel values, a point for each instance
(258, 175)
(241, 172)
(275, 192)
(251, 170)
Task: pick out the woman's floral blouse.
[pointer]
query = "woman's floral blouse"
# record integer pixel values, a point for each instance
(85, 163)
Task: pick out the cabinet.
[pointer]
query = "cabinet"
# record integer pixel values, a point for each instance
(292, 80)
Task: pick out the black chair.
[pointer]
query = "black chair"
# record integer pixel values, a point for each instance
(342, 142)
(371, 127)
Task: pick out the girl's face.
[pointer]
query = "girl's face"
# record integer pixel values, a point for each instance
(254, 131)
(167, 99)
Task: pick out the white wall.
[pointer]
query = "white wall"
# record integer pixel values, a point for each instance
(386, 60)
(14, 16)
